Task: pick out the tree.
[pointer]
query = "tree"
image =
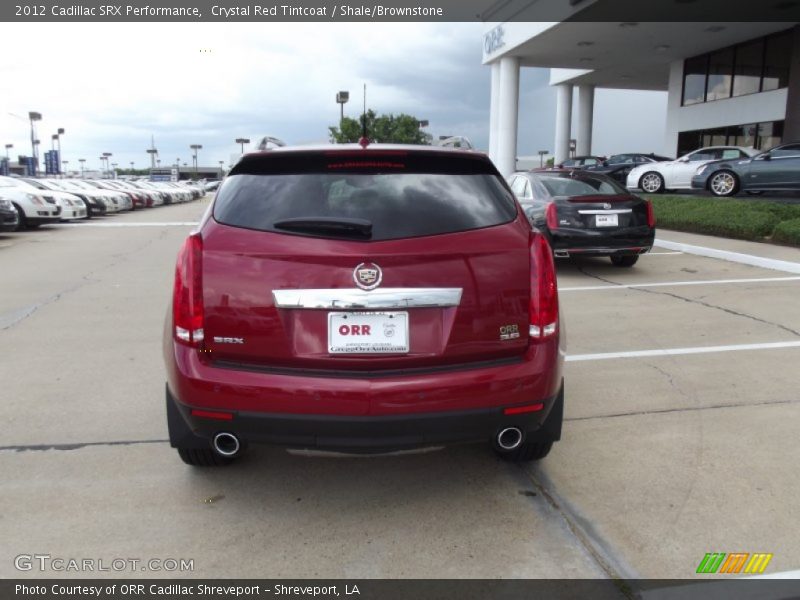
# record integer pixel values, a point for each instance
(387, 129)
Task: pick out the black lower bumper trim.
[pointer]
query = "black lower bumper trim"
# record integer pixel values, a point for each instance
(371, 433)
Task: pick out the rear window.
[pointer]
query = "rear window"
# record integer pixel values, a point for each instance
(565, 185)
(399, 195)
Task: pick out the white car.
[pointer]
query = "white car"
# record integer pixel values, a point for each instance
(72, 207)
(654, 178)
(95, 204)
(33, 207)
(112, 200)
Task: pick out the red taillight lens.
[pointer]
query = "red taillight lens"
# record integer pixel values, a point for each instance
(551, 214)
(187, 298)
(651, 215)
(544, 290)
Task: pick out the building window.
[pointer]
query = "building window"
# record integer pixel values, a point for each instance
(761, 136)
(720, 75)
(694, 80)
(749, 68)
(776, 64)
(759, 65)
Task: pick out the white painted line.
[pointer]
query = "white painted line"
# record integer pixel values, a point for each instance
(659, 254)
(587, 288)
(737, 257)
(781, 575)
(679, 351)
(137, 224)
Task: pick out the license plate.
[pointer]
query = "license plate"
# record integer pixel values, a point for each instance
(368, 333)
(606, 220)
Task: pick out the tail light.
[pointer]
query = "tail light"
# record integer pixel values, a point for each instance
(651, 215)
(544, 290)
(551, 214)
(187, 298)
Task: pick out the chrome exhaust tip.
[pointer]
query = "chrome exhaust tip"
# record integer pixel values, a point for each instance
(509, 438)
(226, 444)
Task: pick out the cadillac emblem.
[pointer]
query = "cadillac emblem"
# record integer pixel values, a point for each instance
(367, 276)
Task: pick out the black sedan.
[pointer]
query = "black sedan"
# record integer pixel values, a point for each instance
(586, 214)
(776, 170)
(619, 165)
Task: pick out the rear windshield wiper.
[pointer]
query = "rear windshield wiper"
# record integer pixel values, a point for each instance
(329, 225)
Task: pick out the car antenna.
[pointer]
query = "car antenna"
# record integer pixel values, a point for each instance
(364, 141)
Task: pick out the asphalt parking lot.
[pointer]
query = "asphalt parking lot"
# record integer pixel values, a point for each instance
(680, 435)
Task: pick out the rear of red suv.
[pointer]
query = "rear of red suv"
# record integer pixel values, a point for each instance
(363, 300)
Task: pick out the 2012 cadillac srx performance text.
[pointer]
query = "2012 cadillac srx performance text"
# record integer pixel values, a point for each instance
(364, 300)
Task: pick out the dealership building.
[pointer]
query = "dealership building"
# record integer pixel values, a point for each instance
(727, 83)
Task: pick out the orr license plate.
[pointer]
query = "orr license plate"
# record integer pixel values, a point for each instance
(368, 333)
(611, 220)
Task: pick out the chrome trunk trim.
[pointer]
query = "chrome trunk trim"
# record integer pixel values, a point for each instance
(353, 298)
(615, 211)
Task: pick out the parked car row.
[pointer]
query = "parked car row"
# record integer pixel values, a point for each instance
(721, 170)
(36, 202)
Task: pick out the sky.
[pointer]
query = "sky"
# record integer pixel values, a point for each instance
(112, 86)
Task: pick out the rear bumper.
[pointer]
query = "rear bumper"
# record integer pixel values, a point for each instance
(567, 242)
(369, 411)
(369, 433)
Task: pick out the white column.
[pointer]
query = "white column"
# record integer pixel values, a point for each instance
(563, 122)
(583, 141)
(494, 109)
(508, 102)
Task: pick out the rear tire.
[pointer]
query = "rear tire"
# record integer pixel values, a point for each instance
(624, 261)
(652, 182)
(723, 183)
(527, 451)
(202, 457)
(192, 449)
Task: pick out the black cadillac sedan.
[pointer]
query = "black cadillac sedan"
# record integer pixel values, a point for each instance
(619, 165)
(586, 214)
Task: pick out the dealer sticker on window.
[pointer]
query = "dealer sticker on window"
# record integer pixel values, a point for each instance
(368, 333)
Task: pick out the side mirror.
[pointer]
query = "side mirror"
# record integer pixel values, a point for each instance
(766, 156)
(605, 163)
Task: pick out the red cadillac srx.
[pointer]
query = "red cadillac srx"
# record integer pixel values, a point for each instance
(363, 300)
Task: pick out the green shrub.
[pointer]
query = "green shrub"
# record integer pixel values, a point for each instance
(723, 217)
(788, 232)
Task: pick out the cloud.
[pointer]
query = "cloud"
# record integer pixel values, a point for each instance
(113, 85)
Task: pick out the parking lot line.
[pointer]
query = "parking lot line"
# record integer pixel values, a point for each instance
(661, 253)
(587, 288)
(679, 351)
(737, 257)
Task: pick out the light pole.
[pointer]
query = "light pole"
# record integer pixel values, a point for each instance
(57, 138)
(8, 147)
(114, 165)
(341, 100)
(222, 162)
(34, 116)
(35, 157)
(107, 155)
(131, 167)
(82, 161)
(103, 166)
(195, 148)
(152, 152)
(242, 141)
(542, 154)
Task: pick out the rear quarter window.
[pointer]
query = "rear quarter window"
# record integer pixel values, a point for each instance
(400, 197)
